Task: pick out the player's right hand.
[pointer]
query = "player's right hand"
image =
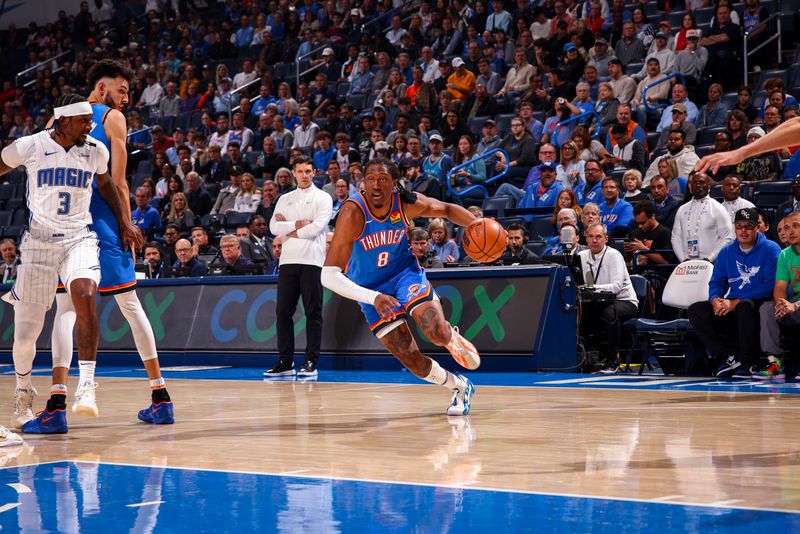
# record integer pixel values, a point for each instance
(131, 235)
(386, 305)
(715, 161)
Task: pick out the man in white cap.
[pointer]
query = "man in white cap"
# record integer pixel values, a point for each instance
(328, 64)
(692, 60)
(766, 166)
(461, 83)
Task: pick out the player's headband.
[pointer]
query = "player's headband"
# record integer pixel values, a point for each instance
(72, 110)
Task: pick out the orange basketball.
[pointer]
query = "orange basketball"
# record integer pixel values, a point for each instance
(485, 240)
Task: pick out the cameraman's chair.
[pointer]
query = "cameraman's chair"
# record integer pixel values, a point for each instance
(672, 342)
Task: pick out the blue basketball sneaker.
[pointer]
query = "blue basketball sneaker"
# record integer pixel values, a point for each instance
(54, 422)
(461, 397)
(158, 414)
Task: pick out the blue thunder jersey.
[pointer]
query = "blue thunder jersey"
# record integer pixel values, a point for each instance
(382, 251)
(117, 268)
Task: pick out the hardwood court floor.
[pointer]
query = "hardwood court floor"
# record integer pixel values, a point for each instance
(703, 448)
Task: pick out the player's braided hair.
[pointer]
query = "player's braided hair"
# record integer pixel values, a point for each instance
(406, 196)
(108, 68)
(66, 100)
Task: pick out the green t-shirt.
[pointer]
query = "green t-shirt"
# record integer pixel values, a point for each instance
(789, 270)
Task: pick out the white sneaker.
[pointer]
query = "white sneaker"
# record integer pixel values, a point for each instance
(85, 402)
(463, 351)
(23, 406)
(8, 438)
(462, 397)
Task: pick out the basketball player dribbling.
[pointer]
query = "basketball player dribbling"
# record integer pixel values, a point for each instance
(109, 80)
(371, 243)
(62, 164)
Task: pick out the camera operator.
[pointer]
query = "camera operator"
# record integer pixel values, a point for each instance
(420, 247)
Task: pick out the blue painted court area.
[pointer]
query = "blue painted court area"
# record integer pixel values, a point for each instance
(87, 497)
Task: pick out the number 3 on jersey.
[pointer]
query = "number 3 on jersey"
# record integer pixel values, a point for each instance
(63, 208)
(383, 259)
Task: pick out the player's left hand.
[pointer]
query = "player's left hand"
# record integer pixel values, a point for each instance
(131, 236)
(386, 305)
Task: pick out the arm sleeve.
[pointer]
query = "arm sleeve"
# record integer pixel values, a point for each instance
(322, 217)
(336, 281)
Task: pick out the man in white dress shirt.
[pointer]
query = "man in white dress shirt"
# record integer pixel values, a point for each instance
(732, 195)
(702, 226)
(604, 270)
(301, 218)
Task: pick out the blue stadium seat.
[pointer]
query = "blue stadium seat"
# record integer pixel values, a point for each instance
(13, 232)
(793, 76)
(341, 90)
(5, 217)
(15, 203)
(541, 228)
(633, 68)
(251, 157)
(728, 100)
(20, 218)
(770, 195)
(167, 124)
(496, 206)
(766, 74)
(705, 136)
(234, 219)
(7, 192)
(476, 124)
(675, 18)
(357, 101)
(144, 167)
(504, 123)
(704, 15)
(536, 246)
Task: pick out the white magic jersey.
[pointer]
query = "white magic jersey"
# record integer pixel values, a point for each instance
(59, 186)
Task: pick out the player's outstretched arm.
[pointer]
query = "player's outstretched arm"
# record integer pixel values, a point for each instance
(430, 207)
(349, 225)
(787, 134)
(129, 232)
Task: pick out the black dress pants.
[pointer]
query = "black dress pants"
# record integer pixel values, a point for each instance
(294, 281)
(739, 329)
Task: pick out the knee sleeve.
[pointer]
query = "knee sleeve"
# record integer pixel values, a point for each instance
(28, 323)
(141, 329)
(63, 326)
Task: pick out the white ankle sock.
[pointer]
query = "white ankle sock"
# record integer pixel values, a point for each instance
(86, 370)
(442, 377)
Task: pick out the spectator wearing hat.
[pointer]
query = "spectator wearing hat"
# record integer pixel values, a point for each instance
(437, 164)
(743, 279)
(573, 63)
(599, 56)
(679, 122)
(461, 83)
(222, 96)
(657, 94)
(664, 55)
(328, 65)
(489, 138)
(544, 193)
(766, 166)
(679, 96)
(519, 76)
(692, 60)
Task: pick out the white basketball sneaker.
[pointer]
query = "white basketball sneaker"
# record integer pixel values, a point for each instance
(23, 406)
(85, 401)
(463, 351)
(8, 438)
(462, 396)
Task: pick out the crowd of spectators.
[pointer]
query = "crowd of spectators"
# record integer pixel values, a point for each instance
(601, 111)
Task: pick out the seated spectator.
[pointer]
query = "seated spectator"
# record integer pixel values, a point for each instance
(592, 189)
(437, 164)
(544, 193)
(793, 204)
(677, 186)
(475, 172)
(604, 270)
(566, 199)
(171, 236)
(269, 161)
(783, 308)
(634, 129)
(516, 253)
(152, 260)
(743, 280)
(234, 262)
(723, 142)
(200, 244)
(588, 148)
(341, 194)
(570, 170)
(441, 243)
(678, 151)
(632, 184)
(453, 129)
(187, 264)
(306, 131)
(724, 43)
(8, 251)
(490, 140)
(535, 94)
(702, 226)
(420, 247)
(198, 200)
(679, 97)
(606, 105)
(479, 103)
(240, 133)
(518, 76)
(492, 81)
(664, 55)
(616, 214)
(175, 185)
(145, 216)
(666, 205)
(732, 195)
(693, 59)
(361, 78)
(179, 212)
(713, 114)
(285, 180)
(627, 152)
(764, 167)
(648, 234)
(248, 197)
(215, 170)
(269, 197)
(679, 122)
(565, 216)
(462, 82)
(623, 85)
(629, 49)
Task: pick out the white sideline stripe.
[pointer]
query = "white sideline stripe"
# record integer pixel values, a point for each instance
(148, 503)
(19, 488)
(9, 506)
(667, 498)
